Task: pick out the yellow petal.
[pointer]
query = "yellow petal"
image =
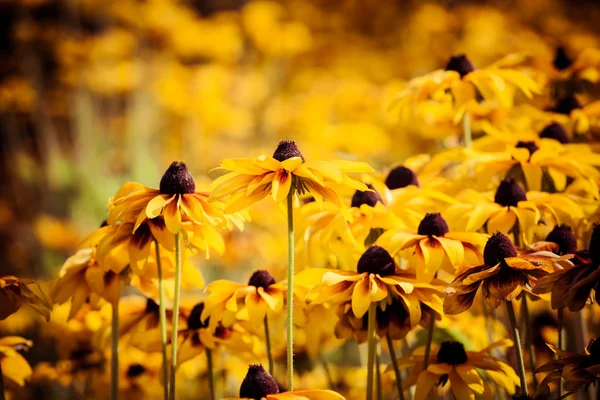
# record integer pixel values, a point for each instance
(156, 205)
(360, 298)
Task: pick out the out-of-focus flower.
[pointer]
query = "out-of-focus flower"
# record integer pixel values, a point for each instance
(286, 172)
(15, 368)
(434, 247)
(452, 363)
(15, 291)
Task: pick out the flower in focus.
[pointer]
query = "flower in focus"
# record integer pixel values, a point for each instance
(15, 368)
(15, 291)
(251, 180)
(461, 368)
(259, 385)
(575, 371)
(503, 275)
(261, 295)
(434, 247)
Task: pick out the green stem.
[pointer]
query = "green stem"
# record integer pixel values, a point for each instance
(211, 375)
(429, 339)
(390, 344)
(519, 349)
(268, 341)
(175, 321)
(330, 381)
(290, 292)
(1, 383)
(378, 375)
(467, 131)
(162, 312)
(528, 340)
(114, 353)
(371, 349)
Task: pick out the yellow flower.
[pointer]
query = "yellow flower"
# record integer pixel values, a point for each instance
(509, 208)
(434, 247)
(258, 384)
(175, 200)
(15, 291)
(461, 368)
(251, 180)
(460, 83)
(260, 295)
(376, 280)
(15, 368)
(139, 372)
(503, 276)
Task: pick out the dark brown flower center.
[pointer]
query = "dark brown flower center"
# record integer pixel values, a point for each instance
(369, 198)
(401, 177)
(194, 320)
(461, 64)
(151, 306)
(497, 248)
(287, 149)
(561, 59)
(177, 179)
(258, 383)
(376, 260)
(433, 225)
(595, 245)
(566, 105)
(565, 239)
(594, 349)
(135, 370)
(531, 146)
(261, 278)
(452, 353)
(509, 193)
(555, 131)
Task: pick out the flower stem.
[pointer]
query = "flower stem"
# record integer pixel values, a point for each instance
(211, 375)
(330, 381)
(268, 341)
(1, 383)
(517, 338)
(371, 348)
(290, 292)
(162, 312)
(528, 341)
(429, 340)
(175, 321)
(378, 375)
(561, 323)
(392, 351)
(467, 131)
(114, 353)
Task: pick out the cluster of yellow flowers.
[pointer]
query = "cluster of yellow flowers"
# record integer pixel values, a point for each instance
(470, 269)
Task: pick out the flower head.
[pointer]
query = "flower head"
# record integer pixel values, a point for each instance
(400, 177)
(16, 291)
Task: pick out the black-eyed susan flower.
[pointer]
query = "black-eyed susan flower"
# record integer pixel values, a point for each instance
(574, 287)
(176, 200)
(15, 369)
(434, 246)
(285, 172)
(15, 292)
(508, 208)
(464, 370)
(503, 275)
(575, 371)
(259, 385)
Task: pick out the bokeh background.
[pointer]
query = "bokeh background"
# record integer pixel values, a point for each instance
(94, 93)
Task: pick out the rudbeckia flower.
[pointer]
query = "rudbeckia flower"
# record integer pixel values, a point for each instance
(460, 83)
(575, 371)
(452, 364)
(376, 280)
(503, 276)
(572, 287)
(509, 208)
(175, 200)
(261, 295)
(15, 368)
(15, 291)
(259, 385)
(434, 247)
(139, 373)
(251, 180)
